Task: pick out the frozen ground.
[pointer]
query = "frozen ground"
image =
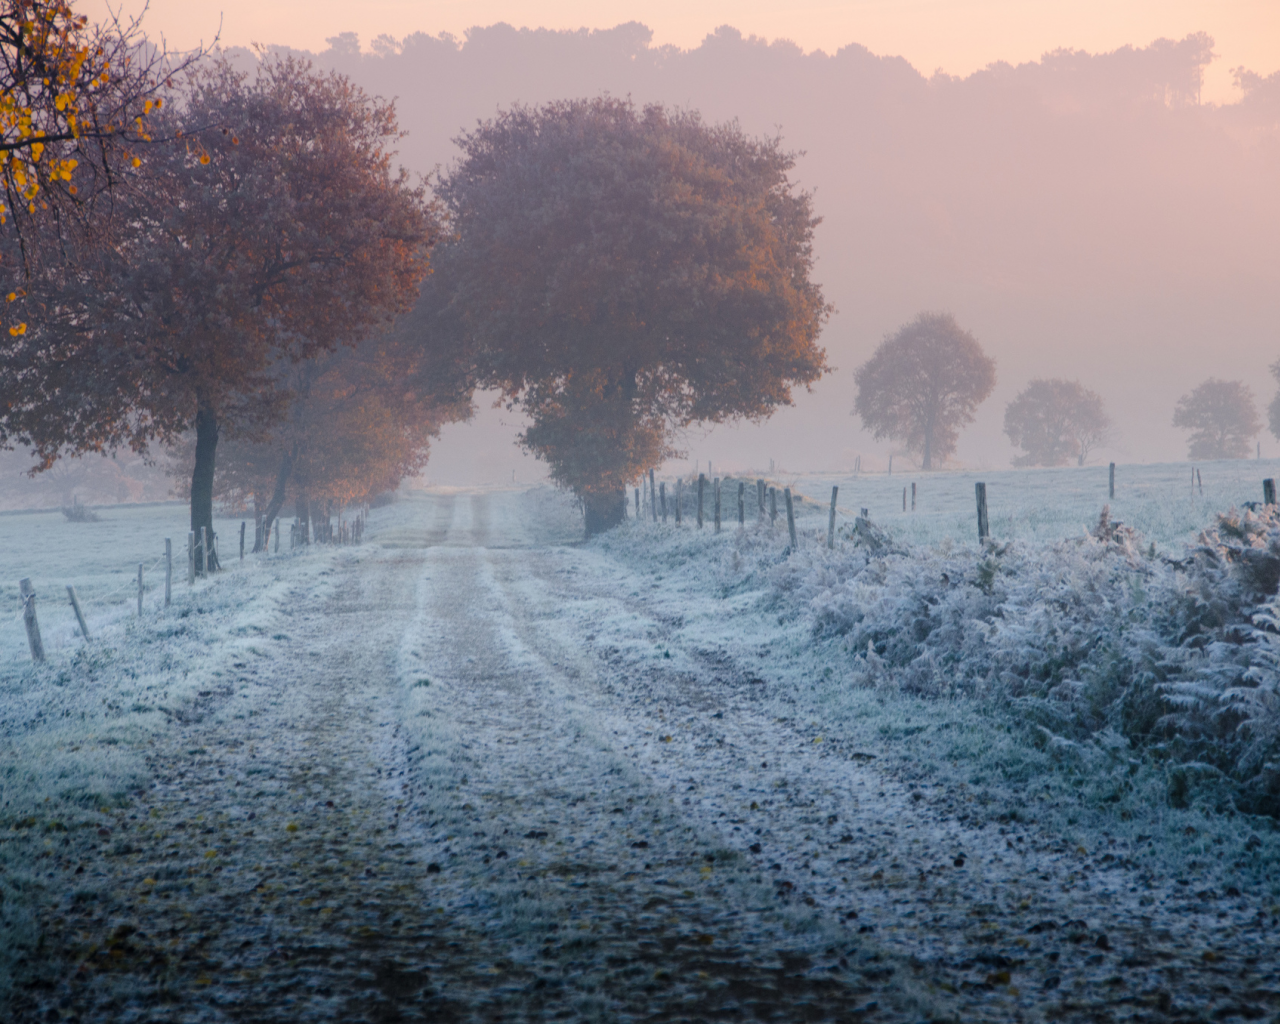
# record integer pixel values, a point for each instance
(474, 770)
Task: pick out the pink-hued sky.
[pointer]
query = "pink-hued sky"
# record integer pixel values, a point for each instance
(958, 36)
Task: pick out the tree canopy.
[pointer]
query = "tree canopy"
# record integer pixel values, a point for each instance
(621, 273)
(281, 234)
(1053, 421)
(1222, 418)
(922, 385)
(76, 110)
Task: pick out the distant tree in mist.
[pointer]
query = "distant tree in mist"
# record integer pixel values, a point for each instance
(923, 384)
(1054, 421)
(360, 419)
(1222, 418)
(620, 273)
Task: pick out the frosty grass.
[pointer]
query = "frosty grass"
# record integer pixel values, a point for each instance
(954, 666)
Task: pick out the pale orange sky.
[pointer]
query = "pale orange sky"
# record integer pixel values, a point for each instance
(958, 36)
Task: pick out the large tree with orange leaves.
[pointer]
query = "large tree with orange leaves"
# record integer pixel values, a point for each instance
(281, 234)
(360, 420)
(621, 273)
(75, 111)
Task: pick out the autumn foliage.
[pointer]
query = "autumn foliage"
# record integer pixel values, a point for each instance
(276, 230)
(621, 273)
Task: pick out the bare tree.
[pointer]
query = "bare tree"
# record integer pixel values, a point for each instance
(1222, 417)
(1053, 421)
(923, 384)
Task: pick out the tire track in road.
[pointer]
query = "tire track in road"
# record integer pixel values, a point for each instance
(263, 876)
(598, 896)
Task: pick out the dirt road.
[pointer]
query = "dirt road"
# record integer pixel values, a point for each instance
(492, 776)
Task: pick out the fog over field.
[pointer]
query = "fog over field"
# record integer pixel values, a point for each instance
(1083, 215)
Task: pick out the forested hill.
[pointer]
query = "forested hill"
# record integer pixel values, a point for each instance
(1083, 215)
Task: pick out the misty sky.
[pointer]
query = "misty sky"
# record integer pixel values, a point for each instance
(1078, 229)
(958, 36)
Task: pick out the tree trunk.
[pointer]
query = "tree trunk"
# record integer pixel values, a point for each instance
(202, 478)
(604, 511)
(304, 516)
(277, 496)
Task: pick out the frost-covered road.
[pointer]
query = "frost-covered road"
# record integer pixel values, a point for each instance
(478, 774)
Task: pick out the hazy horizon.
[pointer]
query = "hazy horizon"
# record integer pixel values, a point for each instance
(1084, 216)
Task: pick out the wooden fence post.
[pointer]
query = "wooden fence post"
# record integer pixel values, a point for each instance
(913, 496)
(742, 504)
(139, 590)
(679, 496)
(168, 571)
(637, 504)
(1111, 481)
(29, 619)
(831, 520)
(1269, 491)
(191, 557)
(702, 483)
(204, 551)
(653, 497)
(773, 505)
(760, 499)
(980, 492)
(904, 499)
(791, 518)
(715, 497)
(242, 540)
(75, 607)
(277, 536)
(662, 497)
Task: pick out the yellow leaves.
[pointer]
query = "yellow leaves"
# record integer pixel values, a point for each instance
(12, 296)
(135, 162)
(18, 331)
(37, 151)
(204, 158)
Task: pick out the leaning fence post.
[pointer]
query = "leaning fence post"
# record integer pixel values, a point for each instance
(742, 503)
(29, 618)
(139, 590)
(637, 504)
(1268, 491)
(980, 492)
(191, 557)
(1111, 481)
(791, 518)
(831, 520)
(168, 571)
(242, 540)
(662, 496)
(75, 607)
(702, 483)
(773, 506)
